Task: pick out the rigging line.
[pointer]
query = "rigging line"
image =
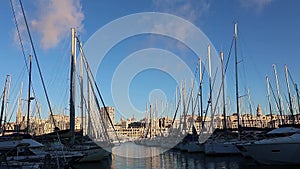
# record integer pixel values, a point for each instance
(99, 110)
(20, 76)
(21, 43)
(228, 57)
(40, 73)
(192, 90)
(177, 107)
(226, 66)
(210, 98)
(94, 81)
(19, 35)
(12, 109)
(38, 65)
(277, 104)
(290, 75)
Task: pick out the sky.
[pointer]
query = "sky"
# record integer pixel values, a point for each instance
(268, 33)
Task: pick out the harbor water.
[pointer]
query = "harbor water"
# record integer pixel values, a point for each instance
(175, 159)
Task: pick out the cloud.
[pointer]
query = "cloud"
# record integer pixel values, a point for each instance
(22, 34)
(258, 5)
(191, 10)
(55, 18)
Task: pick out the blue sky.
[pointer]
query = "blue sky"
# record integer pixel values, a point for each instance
(268, 34)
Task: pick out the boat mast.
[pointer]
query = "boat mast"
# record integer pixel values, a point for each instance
(19, 113)
(289, 93)
(146, 121)
(155, 112)
(200, 92)
(250, 106)
(81, 88)
(29, 97)
(89, 110)
(210, 85)
(3, 101)
(72, 84)
(223, 89)
(269, 100)
(278, 94)
(184, 126)
(150, 125)
(297, 91)
(236, 81)
(297, 94)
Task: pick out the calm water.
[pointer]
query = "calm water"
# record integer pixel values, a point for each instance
(174, 159)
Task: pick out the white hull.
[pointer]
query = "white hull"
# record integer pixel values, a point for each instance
(276, 151)
(220, 148)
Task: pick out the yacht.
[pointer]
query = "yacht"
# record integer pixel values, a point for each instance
(282, 149)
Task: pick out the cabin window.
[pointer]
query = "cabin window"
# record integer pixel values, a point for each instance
(275, 151)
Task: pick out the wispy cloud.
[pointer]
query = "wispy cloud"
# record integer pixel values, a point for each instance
(257, 5)
(22, 34)
(55, 18)
(191, 10)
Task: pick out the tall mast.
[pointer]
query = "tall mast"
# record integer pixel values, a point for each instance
(3, 101)
(19, 113)
(155, 116)
(176, 97)
(200, 92)
(210, 84)
(237, 80)
(297, 91)
(269, 100)
(72, 84)
(89, 127)
(192, 103)
(184, 126)
(278, 94)
(81, 87)
(150, 125)
(29, 97)
(223, 89)
(250, 106)
(146, 117)
(289, 93)
(7, 97)
(297, 94)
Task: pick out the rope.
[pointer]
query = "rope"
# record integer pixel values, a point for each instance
(22, 46)
(98, 91)
(40, 72)
(37, 62)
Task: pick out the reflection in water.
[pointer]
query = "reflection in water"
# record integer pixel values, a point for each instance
(173, 159)
(177, 159)
(131, 150)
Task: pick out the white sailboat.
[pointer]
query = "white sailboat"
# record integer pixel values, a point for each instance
(222, 144)
(100, 148)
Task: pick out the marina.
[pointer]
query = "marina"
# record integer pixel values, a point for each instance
(206, 118)
(179, 159)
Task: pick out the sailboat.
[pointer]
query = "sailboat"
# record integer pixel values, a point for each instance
(101, 146)
(224, 142)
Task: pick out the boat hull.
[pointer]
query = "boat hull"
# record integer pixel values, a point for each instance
(274, 154)
(195, 147)
(222, 148)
